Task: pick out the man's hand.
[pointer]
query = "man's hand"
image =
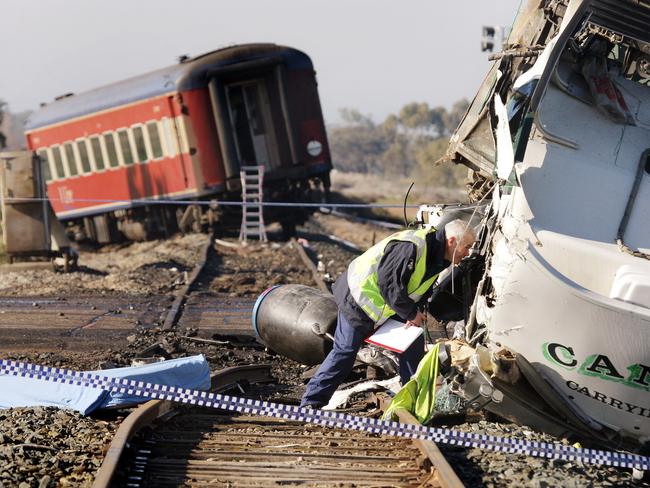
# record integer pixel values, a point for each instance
(417, 321)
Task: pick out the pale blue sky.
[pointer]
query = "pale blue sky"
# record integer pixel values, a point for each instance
(373, 55)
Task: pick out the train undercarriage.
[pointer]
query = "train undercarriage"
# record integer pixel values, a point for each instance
(157, 220)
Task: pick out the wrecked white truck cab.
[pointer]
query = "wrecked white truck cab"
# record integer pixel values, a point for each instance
(557, 329)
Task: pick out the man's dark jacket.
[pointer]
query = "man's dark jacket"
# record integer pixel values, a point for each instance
(394, 272)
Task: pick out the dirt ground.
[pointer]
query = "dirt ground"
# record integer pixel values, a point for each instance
(361, 234)
(369, 188)
(249, 270)
(138, 268)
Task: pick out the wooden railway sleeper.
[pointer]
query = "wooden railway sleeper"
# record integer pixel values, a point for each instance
(147, 413)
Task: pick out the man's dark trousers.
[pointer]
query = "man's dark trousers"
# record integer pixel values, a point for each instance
(340, 360)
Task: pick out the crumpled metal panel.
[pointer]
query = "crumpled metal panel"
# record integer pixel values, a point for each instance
(627, 17)
(473, 143)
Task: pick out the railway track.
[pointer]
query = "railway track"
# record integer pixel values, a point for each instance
(162, 444)
(74, 324)
(97, 322)
(191, 446)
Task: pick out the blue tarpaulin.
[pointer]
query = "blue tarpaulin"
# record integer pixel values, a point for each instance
(192, 372)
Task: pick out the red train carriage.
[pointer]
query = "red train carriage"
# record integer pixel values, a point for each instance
(183, 132)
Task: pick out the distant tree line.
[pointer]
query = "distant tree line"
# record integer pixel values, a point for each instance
(404, 144)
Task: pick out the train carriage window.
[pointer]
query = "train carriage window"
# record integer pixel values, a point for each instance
(125, 146)
(140, 147)
(58, 162)
(154, 140)
(97, 153)
(71, 159)
(45, 164)
(83, 156)
(111, 150)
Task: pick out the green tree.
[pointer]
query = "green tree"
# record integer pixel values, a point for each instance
(408, 143)
(455, 115)
(398, 158)
(415, 116)
(390, 126)
(352, 116)
(431, 171)
(357, 145)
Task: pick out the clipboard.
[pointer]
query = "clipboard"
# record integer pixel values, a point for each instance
(394, 336)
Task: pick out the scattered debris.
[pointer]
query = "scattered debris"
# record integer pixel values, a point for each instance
(228, 244)
(341, 396)
(212, 342)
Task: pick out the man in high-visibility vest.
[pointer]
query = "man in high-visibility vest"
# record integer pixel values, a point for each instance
(392, 278)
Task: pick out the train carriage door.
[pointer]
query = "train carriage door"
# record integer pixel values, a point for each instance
(250, 117)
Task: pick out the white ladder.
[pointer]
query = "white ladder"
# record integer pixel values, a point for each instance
(252, 220)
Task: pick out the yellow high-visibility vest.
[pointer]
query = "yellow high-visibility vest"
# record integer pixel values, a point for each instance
(363, 278)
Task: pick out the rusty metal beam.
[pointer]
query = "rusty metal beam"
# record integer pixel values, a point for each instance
(228, 377)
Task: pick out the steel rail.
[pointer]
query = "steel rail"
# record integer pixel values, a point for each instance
(247, 450)
(444, 473)
(197, 448)
(175, 310)
(147, 413)
(310, 266)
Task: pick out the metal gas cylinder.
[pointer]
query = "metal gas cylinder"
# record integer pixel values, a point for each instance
(294, 321)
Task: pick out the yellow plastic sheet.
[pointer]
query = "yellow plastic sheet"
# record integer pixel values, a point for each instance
(418, 396)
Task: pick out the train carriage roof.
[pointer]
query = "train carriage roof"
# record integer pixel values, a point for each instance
(188, 74)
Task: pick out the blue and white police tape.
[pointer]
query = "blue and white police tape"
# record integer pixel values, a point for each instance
(322, 417)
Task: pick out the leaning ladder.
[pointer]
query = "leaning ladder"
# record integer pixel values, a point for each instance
(252, 221)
